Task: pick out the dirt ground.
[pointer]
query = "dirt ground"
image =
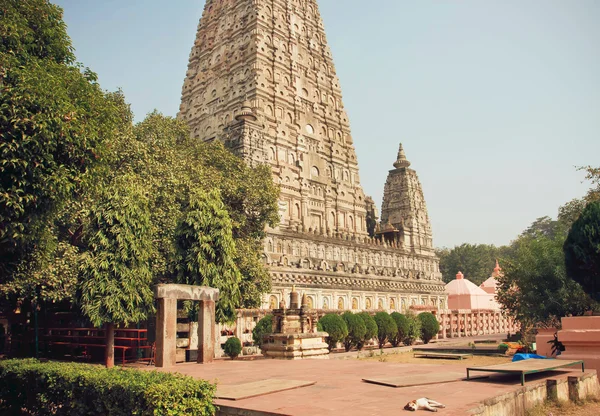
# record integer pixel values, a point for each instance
(407, 358)
(589, 408)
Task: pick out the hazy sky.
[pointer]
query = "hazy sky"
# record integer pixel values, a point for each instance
(496, 102)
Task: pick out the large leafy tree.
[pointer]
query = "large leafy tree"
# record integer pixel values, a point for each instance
(67, 145)
(176, 167)
(534, 289)
(115, 274)
(54, 122)
(206, 251)
(582, 250)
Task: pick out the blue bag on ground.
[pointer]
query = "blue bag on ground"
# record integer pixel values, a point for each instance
(521, 357)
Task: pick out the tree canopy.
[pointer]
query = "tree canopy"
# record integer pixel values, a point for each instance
(475, 261)
(534, 288)
(71, 160)
(582, 250)
(54, 124)
(115, 274)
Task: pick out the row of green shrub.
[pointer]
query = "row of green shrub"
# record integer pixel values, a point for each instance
(355, 330)
(81, 390)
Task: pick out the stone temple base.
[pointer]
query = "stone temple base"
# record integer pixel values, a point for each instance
(296, 346)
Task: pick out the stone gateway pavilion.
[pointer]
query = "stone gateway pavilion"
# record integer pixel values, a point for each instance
(261, 79)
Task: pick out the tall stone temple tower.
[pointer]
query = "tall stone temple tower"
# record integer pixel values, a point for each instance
(261, 79)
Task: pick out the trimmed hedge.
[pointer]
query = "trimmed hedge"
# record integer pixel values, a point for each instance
(386, 328)
(233, 347)
(356, 330)
(413, 329)
(429, 326)
(335, 326)
(81, 390)
(403, 328)
(371, 326)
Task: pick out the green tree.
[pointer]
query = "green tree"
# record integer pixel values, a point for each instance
(175, 166)
(54, 123)
(592, 175)
(386, 328)
(262, 328)
(403, 327)
(335, 326)
(582, 250)
(356, 330)
(414, 329)
(206, 251)
(250, 196)
(534, 289)
(371, 327)
(475, 261)
(429, 326)
(115, 274)
(568, 213)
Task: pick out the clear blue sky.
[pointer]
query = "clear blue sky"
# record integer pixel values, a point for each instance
(496, 102)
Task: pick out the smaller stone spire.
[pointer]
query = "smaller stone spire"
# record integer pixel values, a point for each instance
(294, 298)
(460, 276)
(401, 161)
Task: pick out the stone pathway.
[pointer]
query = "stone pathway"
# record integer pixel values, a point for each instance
(339, 388)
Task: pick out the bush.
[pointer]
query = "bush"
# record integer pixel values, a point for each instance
(503, 348)
(386, 328)
(402, 325)
(356, 330)
(371, 327)
(67, 389)
(414, 329)
(335, 326)
(262, 328)
(429, 326)
(233, 347)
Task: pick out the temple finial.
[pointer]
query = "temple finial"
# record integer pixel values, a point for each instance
(401, 161)
(497, 269)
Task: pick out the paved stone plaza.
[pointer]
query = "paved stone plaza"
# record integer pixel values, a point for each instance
(339, 388)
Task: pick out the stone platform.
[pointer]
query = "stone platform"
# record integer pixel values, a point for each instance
(339, 388)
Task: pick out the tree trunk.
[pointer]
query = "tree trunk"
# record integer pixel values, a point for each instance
(110, 345)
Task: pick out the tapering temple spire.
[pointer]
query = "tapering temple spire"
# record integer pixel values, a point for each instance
(401, 161)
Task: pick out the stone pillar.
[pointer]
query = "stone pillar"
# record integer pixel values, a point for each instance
(206, 331)
(443, 322)
(166, 332)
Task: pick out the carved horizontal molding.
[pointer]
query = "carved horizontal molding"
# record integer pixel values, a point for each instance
(328, 281)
